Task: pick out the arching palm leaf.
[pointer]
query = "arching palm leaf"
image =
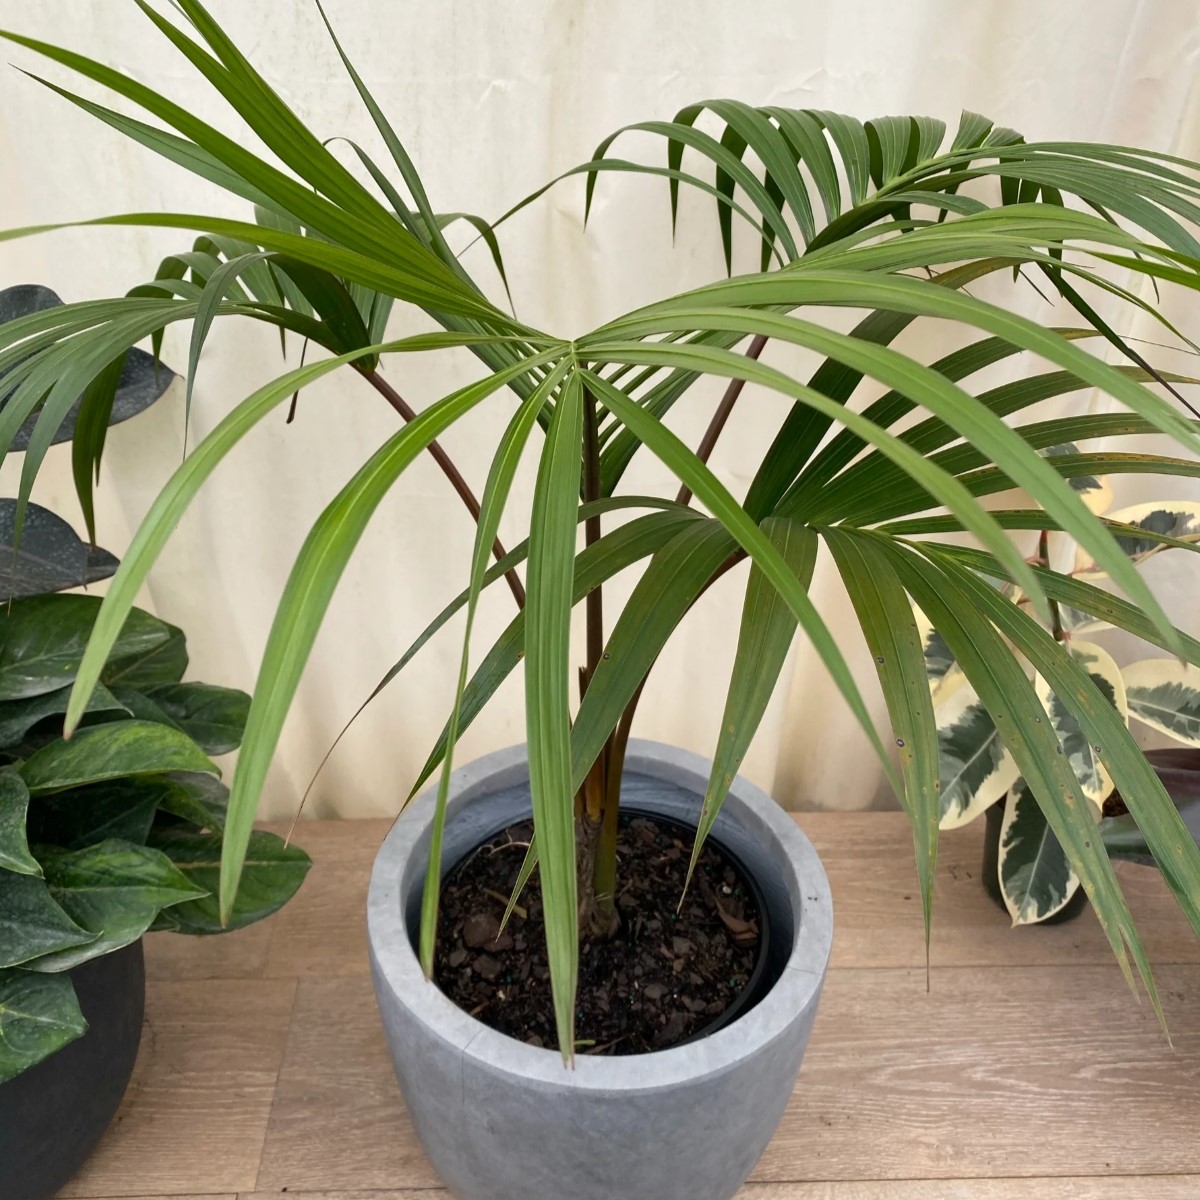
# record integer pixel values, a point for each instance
(867, 215)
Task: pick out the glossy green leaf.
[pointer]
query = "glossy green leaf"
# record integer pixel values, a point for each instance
(18, 717)
(112, 751)
(14, 844)
(116, 808)
(159, 666)
(271, 875)
(31, 923)
(112, 889)
(39, 1015)
(42, 641)
(200, 800)
(50, 556)
(213, 717)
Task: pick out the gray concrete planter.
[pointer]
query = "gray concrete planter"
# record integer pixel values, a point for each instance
(504, 1121)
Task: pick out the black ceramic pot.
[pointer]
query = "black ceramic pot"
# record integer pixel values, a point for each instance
(991, 871)
(52, 1115)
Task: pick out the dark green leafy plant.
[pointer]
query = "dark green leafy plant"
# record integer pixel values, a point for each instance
(119, 830)
(882, 217)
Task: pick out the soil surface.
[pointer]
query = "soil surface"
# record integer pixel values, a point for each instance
(664, 977)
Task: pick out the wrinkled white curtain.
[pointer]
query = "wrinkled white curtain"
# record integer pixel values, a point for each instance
(493, 100)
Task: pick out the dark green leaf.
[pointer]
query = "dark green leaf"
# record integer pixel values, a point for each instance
(42, 640)
(112, 889)
(50, 558)
(112, 751)
(161, 664)
(18, 717)
(14, 843)
(116, 808)
(39, 1015)
(138, 381)
(200, 800)
(271, 876)
(213, 717)
(31, 923)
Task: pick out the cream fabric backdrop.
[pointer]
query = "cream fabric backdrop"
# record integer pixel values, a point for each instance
(494, 99)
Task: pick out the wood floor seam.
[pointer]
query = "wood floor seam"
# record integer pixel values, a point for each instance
(267, 1076)
(275, 1092)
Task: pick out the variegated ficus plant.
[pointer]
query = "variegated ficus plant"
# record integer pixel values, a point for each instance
(891, 219)
(1035, 876)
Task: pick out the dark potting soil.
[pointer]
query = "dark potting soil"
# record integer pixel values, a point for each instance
(663, 977)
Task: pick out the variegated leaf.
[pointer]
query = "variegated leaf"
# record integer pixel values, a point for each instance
(1172, 518)
(1036, 878)
(1165, 694)
(1075, 621)
(1084, 758)
(1094, 490)
(975, 768)
(942, 671)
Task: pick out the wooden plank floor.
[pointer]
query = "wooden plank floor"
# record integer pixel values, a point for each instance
(1026, 1070)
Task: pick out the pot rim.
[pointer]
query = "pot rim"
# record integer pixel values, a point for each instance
(397, 967)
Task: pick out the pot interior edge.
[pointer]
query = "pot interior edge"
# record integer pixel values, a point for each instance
(474, 819)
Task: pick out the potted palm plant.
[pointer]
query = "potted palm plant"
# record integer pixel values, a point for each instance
(882, 217)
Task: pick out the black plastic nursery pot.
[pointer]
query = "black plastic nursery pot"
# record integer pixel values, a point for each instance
(53, 1115)
(991, 871)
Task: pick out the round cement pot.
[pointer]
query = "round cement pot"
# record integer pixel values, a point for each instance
(52, 1115)
(505, 1121)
